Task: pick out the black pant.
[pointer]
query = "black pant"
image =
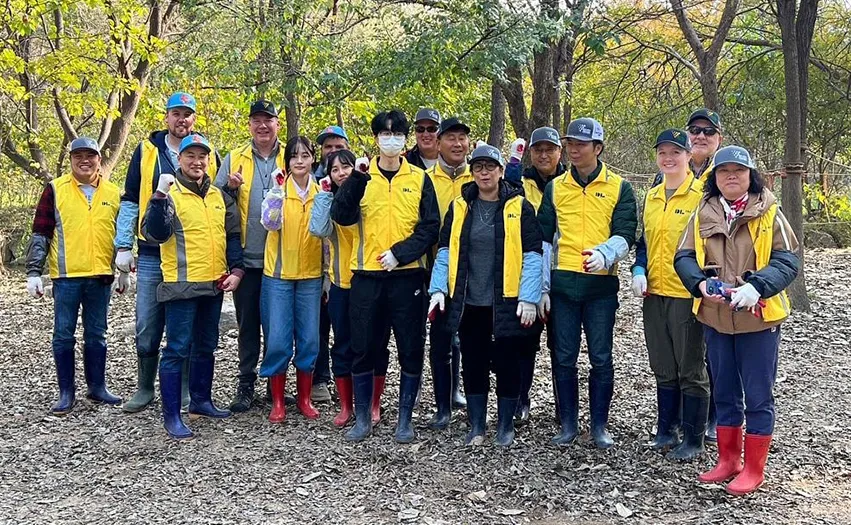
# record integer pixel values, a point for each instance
(322, 369)
(481, 353)
(379, 303)
(440, 341)
(246, 300)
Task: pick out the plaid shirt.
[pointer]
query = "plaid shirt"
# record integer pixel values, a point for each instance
(45, 213)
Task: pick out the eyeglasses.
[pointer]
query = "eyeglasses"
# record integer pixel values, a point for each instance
(425, 129)
(483, 166)
(387, 134)
(697, 130)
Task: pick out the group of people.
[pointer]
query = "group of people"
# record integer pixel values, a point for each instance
(310, 239)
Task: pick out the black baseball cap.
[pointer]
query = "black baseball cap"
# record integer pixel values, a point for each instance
(677, 137)
(452, 124)
(263, 106)
(545, 134)
(427, 114)
(706, 114)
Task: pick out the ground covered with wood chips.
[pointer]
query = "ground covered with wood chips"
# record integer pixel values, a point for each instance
(99, 465)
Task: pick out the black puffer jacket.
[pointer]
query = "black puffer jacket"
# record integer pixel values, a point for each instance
(506, 323)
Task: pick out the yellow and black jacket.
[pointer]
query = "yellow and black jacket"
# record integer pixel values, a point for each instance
(291, 252)
(534, 184)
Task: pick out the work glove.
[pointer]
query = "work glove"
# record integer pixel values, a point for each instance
(518, 147)
(362, 164)
(594, 262)
(544, 307)
(35, 286)
(388, 260)
(744, 296)
(438, 300)
(272, 207)
(526, 312)
(124, 261)
(639, 285)
(325, 184)
(122, 283)
(165, 182)
(235, 179)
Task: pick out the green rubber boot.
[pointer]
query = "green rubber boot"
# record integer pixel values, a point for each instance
(147, 374)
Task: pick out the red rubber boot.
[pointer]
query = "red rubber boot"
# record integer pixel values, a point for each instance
(277, 385)
(756, 454)
(377, 390)
(729, 456)
(304, 383)
(344, 390)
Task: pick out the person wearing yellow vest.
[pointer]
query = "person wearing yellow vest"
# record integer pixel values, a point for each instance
(155, 155)
(737, 256)
(292, 281)
(73, 229)
(448, 176)
(590, 217)
(704, 131)
(674, 337)
(247, 176)
(397, 221)
(490, 266)
(197, 228)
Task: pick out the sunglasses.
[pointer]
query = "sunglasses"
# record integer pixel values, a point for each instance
(425, 129)
(479, 167)
(697, 130)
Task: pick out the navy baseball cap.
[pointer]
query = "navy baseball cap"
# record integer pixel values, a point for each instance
(263, 106)
(331, 131)
(677, 137)
(180, 100)
(85, 143)
(545, 134)
(427, 114)
(734, 155)
(452, 124)
(707, 114)
(487, 152)
(194, 140)
(585, 129)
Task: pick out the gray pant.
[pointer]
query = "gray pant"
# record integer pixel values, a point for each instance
(675, 345)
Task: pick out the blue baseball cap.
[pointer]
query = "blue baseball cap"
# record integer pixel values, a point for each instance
(545, 134)
(734, 155)
(85, 143)
(585, 129)
(487, 152)
(180, 100)
(331, 131)
(194, 140)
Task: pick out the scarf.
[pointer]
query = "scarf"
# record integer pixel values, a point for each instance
(733, 210)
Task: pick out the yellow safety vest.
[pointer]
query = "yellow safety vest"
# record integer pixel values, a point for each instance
(148, 166)
(389, 211)
(533, 194)
(292, 253)
(196, 251)
(584, 218)
(777, 307)
(244, 158)
(340, 248)
(446, 188)
(82, 240)
(512, 254)
(664, 222)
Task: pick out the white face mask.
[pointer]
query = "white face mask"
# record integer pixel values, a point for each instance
(391, 146)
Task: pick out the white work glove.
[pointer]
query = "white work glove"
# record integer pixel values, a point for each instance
(122, 283)
(388, 260)
(35, 286)
(639, 285)
(362, 164)
(544, 307)
(744, 296)
(124, 261)
(526, 312)
(594, 262)
(516, 150)
(438, 300)
(165, 182)
(325, 184)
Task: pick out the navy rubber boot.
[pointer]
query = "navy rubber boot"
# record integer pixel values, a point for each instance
(201, 388)
(458, 399)
(185, 397)
(668, 407)
(170, 394)
(567, 403)
(477, 414)
(362, 387)
(442, 381)
(695, 411)
(506, 406)
(94, 367)
(409, 385)
(65, 376)
(600, 398)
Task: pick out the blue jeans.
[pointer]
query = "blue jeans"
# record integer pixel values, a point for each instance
(341, 351)
(150, 314)
(289, 312)
(596, 317)
(190, 324)
(68, 295)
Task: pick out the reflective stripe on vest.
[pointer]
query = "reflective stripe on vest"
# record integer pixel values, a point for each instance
(776, 308)
(244, 158)
(82, 240)
(291, 252)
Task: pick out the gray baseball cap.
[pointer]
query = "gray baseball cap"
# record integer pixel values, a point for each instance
(545, 134)
(85, 143)
(585, 129)
(487, 152)
(427, 114)
(735, 155)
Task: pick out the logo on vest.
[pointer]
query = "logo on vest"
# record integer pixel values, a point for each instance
(680, 212)
(600, 194)
(407, 190)
(513, 216)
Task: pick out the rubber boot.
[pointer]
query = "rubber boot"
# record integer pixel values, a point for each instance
(146, 375)
(408, 386)
(201, 388)
(94, 367)
(477, 415)
(555, 389)
(729, 464)
(600, 398)
(756, 454)
(185, 396)
(506, 407)
(243, 399)
(344, 392)
(277, 386)
(567, 395)
(668, 406)
(694, 427)
(524, 404)
(65, 376)
(442, 380)
(304, 385)
(362, 385)
(377, 390)
(170, 394)
(458, 399)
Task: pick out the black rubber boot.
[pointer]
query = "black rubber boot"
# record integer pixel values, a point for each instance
(600, 398)
(170, 394)
(94, 367)
(458, 399)
(695, 411)
(362, 387)
(477, 415)
(65, 376)
(409, 385)
(668, 406)
(524, 404)
(567, 402)
(442, 382)
(506, 406)
(147, 366)
(201, 389)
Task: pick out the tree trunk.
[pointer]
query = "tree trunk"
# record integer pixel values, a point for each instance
(543, 97)
(512, 90)
(293, 115)
(709, 86)
(496, 134)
